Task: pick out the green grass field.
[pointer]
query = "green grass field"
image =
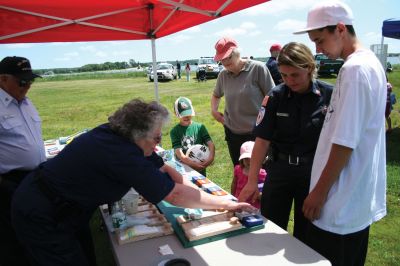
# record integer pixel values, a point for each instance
(67, 106)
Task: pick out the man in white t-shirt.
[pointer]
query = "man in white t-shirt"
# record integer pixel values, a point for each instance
(348, 179)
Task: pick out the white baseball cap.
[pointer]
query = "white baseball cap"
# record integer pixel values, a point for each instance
(246, 149)
(328, 13)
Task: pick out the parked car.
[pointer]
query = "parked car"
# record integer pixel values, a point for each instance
(389, 67)
(165, 71)
(208, 64)
(328, 66)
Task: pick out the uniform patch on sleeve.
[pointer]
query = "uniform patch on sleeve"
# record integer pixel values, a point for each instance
(265, 101)
(260, 115)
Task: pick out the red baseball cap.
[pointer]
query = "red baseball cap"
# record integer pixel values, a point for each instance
(224, 47)
(275, 47)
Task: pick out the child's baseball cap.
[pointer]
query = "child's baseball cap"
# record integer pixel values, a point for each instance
(327, 13)
(246, 149)
(183, 107)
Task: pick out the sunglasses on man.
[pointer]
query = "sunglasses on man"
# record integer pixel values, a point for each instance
(25, 82)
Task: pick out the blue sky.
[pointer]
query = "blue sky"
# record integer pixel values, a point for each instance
(255, 29)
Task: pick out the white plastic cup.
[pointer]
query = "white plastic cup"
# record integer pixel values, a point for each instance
(130, 201)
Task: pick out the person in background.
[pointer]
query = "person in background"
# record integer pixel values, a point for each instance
(389, 106)
(348, 179)
(287, 128)
(96, 168)
(21, 146)
(188, 133)
(178, 69)
(244, 83)
(187, 70)
(272, 65)
(241, 172)
(389, 67)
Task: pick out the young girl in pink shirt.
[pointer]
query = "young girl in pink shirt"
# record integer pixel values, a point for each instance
(241, 171)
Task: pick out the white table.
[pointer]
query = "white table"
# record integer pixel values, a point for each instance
(268, 246)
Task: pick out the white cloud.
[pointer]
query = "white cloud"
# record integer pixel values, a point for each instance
(373, 35)
(101, 54)
(121, 52)
(194, 29)
(370, 38)
(59, 43)
(289, 25)
(67, 57)
(230, 32)
(88, 48)
(62, 59)
(246, 28)
(255, 33)
(19, 45)
(248, 25)
(179, 38)
(71, 54)
(277, 7)
(117, 43)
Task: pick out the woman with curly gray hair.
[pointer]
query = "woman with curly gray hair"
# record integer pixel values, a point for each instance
(57, 200)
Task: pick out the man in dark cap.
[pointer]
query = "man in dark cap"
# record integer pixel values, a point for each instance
(21, 146)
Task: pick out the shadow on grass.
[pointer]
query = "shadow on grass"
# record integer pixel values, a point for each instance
(101, 242)
(393, 146)
(328, 76)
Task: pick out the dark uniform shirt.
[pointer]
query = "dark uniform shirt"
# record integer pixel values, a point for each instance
(273, 69)
(99, 167)
(293, 121)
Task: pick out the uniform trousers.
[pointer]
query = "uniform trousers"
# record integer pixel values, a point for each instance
(234, 141)
(11, 252)
(286, 183)
(47, 238)
(340, 250)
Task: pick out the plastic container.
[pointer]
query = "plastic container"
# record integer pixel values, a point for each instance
(130, 201)
(118, 216)
(252, 220)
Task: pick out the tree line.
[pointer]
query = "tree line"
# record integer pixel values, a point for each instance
(131, 63)
(104, 66)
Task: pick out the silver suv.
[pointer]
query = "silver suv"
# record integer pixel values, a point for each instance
(165, 71)
(210, 67)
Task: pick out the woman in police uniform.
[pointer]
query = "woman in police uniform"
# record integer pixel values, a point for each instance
(288, 126)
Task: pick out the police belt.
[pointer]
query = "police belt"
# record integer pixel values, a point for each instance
(293, 159)
(63, 208)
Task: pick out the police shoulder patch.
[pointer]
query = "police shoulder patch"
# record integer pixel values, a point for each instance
(260, 115)
(265, 101)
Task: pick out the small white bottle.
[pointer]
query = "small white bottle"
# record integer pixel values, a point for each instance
(118, 215)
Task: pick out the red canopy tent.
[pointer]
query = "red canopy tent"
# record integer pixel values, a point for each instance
(30, 21)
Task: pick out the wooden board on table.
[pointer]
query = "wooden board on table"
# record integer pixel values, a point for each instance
(211, 224)
(156, 226)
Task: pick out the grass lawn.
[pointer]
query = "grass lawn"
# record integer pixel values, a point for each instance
(68, 106)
